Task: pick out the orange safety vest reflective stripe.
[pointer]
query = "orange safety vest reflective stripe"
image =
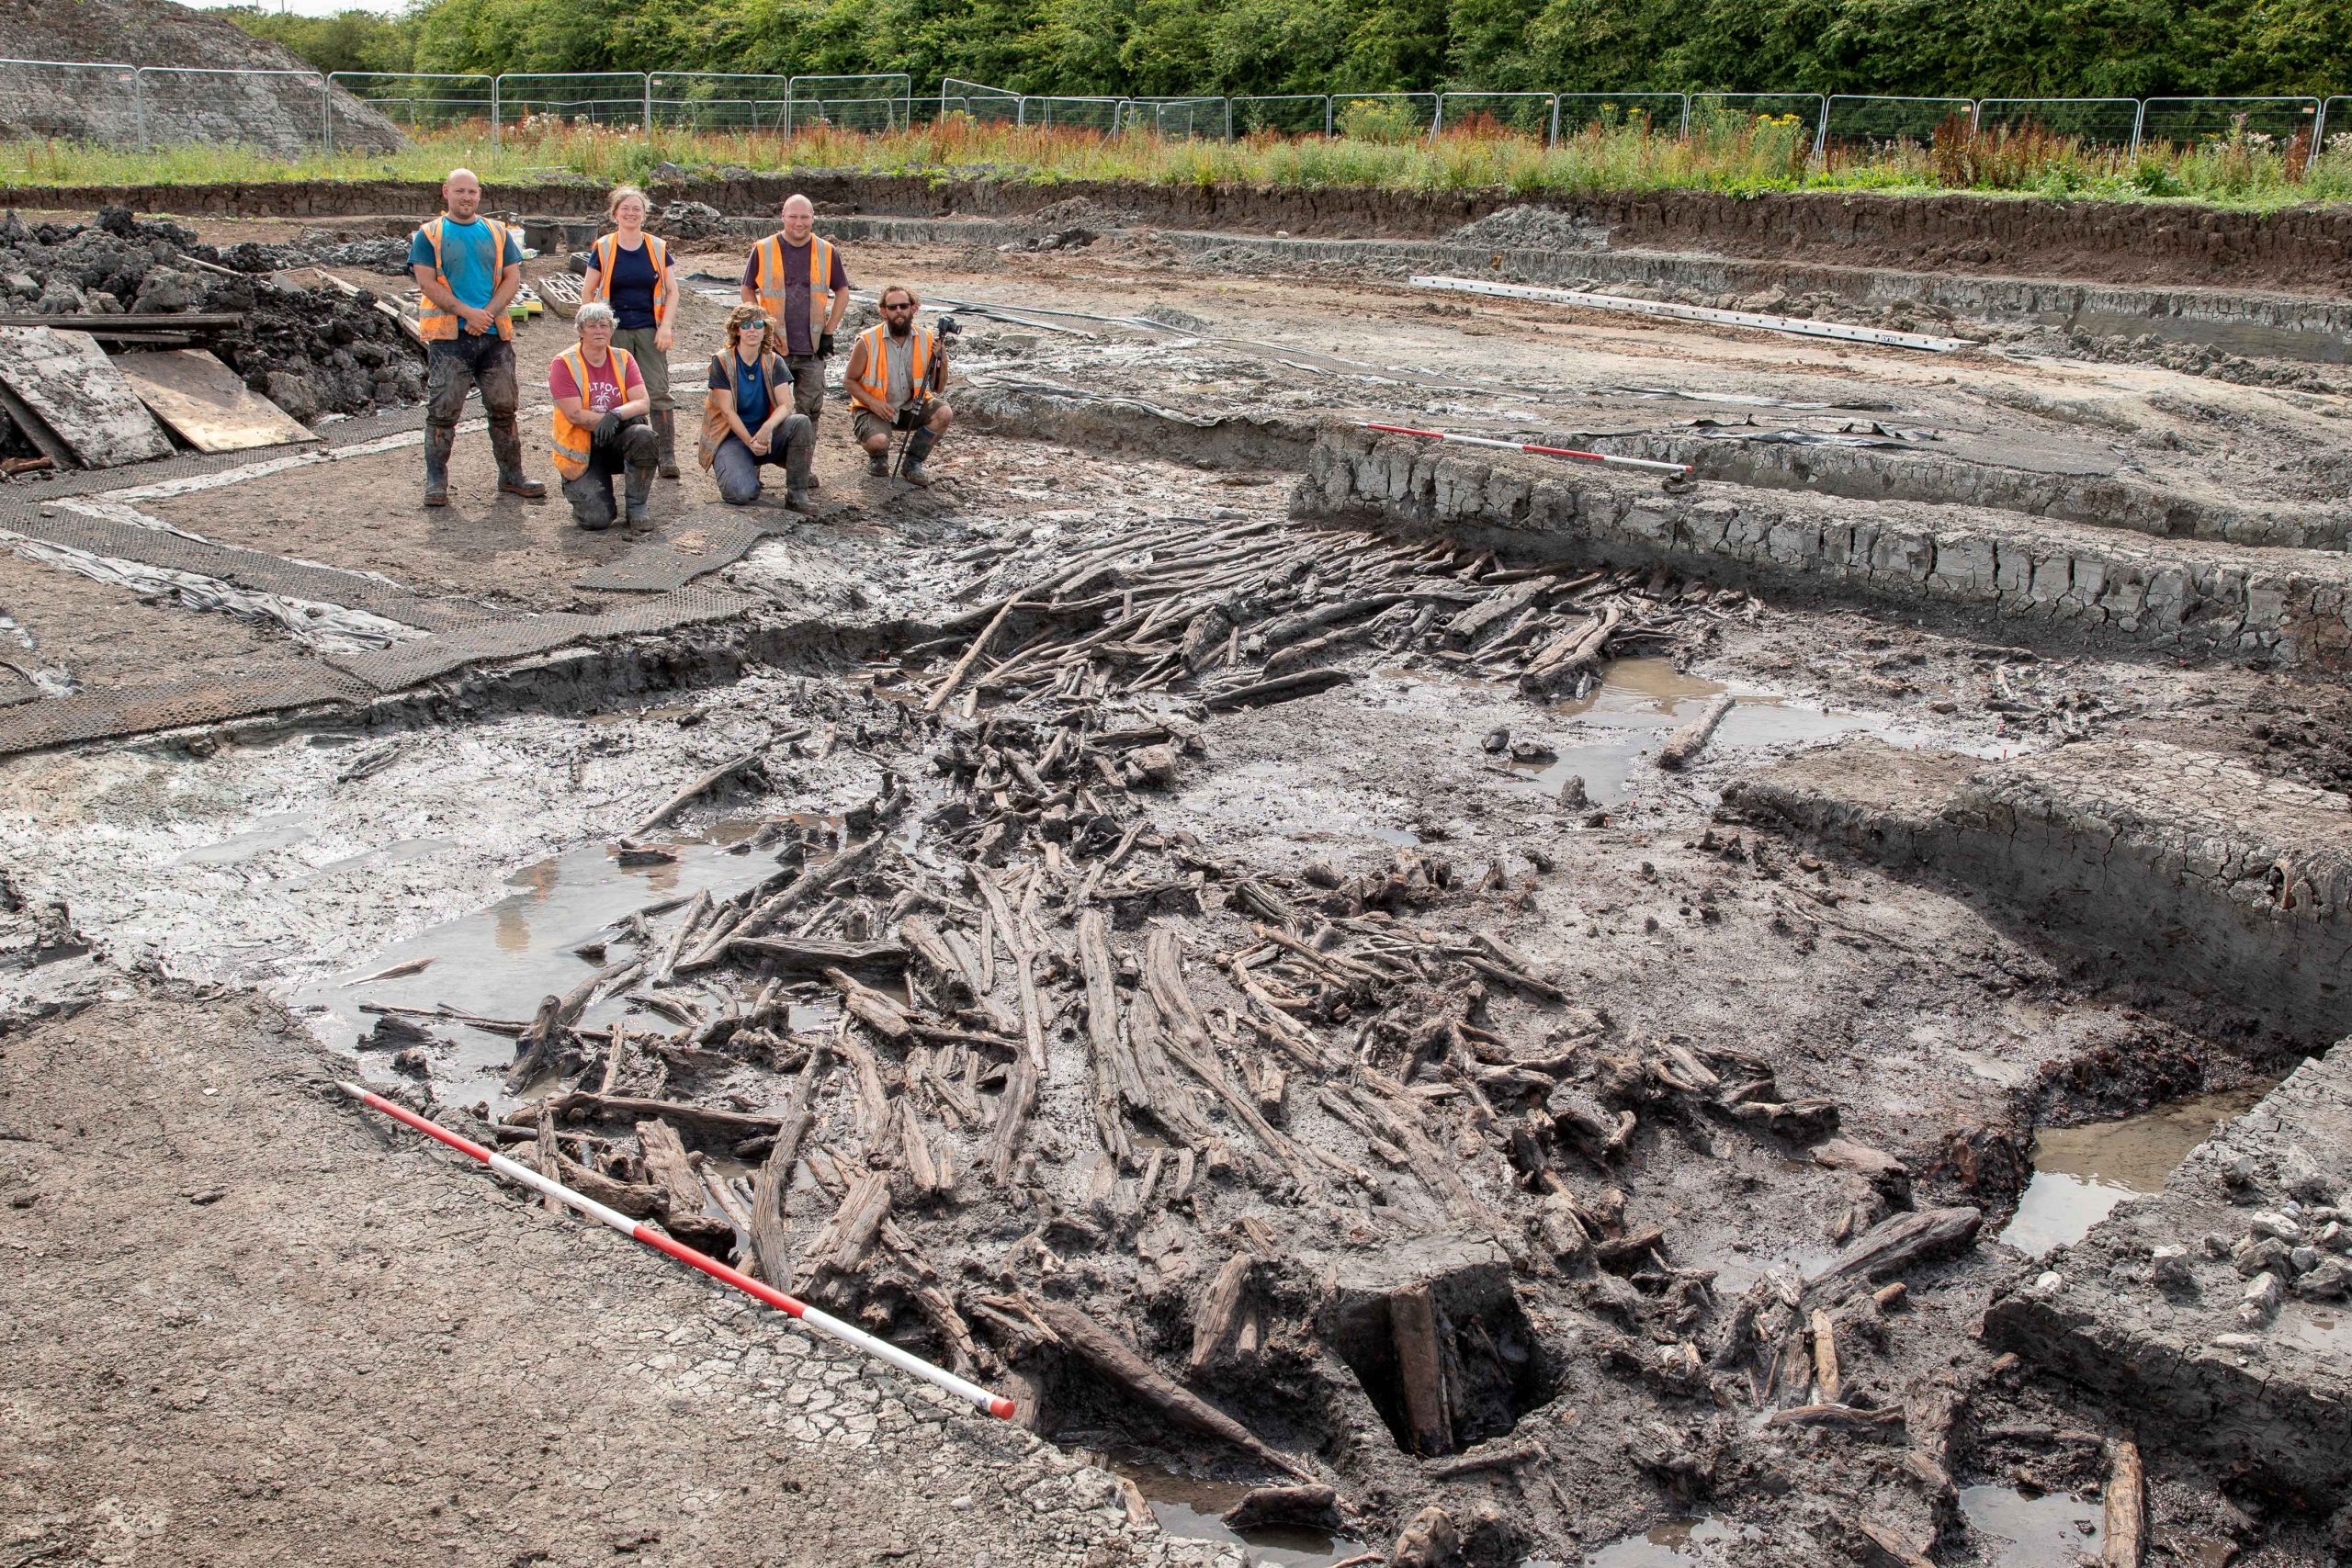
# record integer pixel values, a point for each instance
(607, 251)
(875, 380)
(437, 325)
(572, 440)
(770, 255)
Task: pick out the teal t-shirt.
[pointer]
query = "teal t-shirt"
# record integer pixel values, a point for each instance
(466, 259)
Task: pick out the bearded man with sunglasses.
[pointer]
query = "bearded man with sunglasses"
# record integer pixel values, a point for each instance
(895, 375)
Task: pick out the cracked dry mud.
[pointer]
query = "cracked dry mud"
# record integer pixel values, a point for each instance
(1192, 931)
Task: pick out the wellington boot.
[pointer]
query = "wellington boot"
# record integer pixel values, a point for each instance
(665, 426)
(440, 440)
(506, 443)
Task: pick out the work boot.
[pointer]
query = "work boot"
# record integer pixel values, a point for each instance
(439, 441)
(917, 448)
(665, 426)
(797, 498)
(878, 465)
(640, 491)
(506, 442)
(591, 496)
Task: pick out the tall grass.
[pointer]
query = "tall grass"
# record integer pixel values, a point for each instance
(1734, 154)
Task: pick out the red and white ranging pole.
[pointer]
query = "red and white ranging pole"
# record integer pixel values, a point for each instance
(1610, 459)
(823, 1322)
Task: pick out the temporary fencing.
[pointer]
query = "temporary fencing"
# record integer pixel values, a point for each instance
(114, 104)
(717, 100)
(1847, 119)
(823, 1323)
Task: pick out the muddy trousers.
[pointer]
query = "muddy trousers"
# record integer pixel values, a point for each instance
(632, 452)
(735, 467)
(452, 369)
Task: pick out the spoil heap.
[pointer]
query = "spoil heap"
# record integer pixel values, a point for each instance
(311, 351)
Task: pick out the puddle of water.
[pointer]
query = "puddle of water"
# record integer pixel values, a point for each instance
(1188, 1506)
(1671, 1543)
(2018, 1531)
(267, 833)
(2080, 1173)
(1639, 701)
(500, 960)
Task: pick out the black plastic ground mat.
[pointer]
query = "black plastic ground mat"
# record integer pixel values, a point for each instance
(687, 549)
(254, 570)
(169, 704)
(409, 664)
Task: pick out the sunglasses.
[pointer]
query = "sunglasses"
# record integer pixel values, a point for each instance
(904, 305)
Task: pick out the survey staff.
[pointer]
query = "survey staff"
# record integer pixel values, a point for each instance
(629, 270)
(600, 427)
(467, 268)
(896, 372)
(798, 278)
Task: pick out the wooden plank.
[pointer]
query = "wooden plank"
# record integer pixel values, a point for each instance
(36, 429)
(203, 399)
(159, 321)
(67, 379)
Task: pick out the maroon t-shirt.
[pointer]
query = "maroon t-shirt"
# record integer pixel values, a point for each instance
(796, 292)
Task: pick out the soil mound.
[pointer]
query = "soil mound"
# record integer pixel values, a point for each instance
(310, 351)
(195, 101)
(1533, 229)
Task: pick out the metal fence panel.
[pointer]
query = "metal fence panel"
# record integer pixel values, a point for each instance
(1282, 114)
(363, 105)
(1384, 117)
(2094, 122)
(534, 99)
(2188, 122)
(1508, 114)
(277, 111)
(717, 100)
(1659, 112)
(1088, 113)
(1710, 110)
(884, 101)
(71, 100)
(1848, 119)
(2334, 128)
(1175, 118)
(978, 100)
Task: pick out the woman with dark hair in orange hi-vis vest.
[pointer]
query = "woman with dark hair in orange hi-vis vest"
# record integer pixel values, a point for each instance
(798, 278)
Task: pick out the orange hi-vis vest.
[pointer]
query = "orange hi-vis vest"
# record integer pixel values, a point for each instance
(876, 382)
(770, 255)
(607, 251)
(573, 440)
(437, 325)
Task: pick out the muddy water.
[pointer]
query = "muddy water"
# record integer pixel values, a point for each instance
(2014, 1530)
(500, 960)
(1671, 1543)
(1188, 1506)
(2081, 1173)
(1614, 731)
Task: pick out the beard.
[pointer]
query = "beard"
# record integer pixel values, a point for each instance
(900, 329)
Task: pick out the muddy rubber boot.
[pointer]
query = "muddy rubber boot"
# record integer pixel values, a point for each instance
(917, 448)
(439, 441)
(507, 443)
(591, 496)
(665, 426)
(797, 498)
(878, 465)
(639, 491)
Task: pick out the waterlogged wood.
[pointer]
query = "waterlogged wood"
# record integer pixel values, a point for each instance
(681, 1190)
(1828, 1386)
(816, 955)
(1682, 747)
(1261, 693)
(1117, 1082)
(1218, 1314)
(1112, 1360)
(1896, 1244)
(2125, 1507)
(771, 1236)
(702, 786)
(727, 1126)
(1421, 1368)
(536, 1048)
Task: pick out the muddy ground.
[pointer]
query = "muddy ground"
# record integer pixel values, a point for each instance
(1403, 1063)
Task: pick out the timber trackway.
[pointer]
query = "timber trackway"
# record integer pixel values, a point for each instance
(1401, 998)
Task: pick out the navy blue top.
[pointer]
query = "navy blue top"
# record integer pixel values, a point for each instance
(748, 382)
(632, 286)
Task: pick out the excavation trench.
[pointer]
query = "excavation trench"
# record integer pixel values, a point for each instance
(1412, 980)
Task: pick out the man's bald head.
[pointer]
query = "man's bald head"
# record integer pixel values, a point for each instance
(461, 194)
(799, 218)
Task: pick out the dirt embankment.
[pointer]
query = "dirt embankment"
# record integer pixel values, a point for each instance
(2302, 249)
